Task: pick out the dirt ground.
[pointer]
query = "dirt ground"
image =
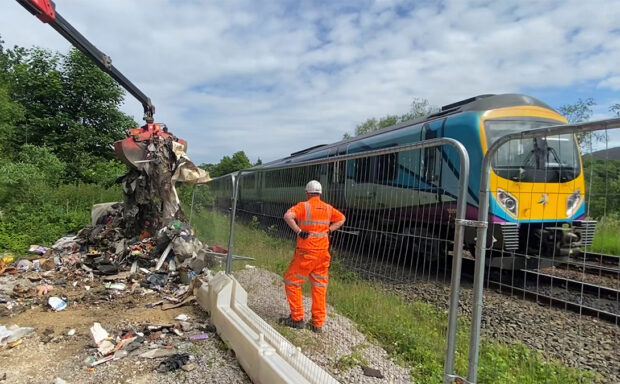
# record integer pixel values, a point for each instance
(50, 353)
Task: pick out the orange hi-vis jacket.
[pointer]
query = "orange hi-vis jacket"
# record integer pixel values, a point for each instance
(311, 260)
(314, 216)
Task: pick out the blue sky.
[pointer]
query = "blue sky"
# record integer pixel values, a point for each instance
(271, 78)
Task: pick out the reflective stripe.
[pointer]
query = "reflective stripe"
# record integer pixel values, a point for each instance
(301, 276)
(315, 284)
(314, 222)
(318, 276)
(313, 234)
(308, 217)
(288, 282)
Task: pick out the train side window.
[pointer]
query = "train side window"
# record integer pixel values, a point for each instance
(429, 156)
(249, 181)
(430, 162)
(336, 172)
(387, 167)
(365, 169)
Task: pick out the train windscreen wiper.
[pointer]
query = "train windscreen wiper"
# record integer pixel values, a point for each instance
(540, 153)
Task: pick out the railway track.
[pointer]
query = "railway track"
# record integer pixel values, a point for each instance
(581, 296)
(600, 262)
(587, 284)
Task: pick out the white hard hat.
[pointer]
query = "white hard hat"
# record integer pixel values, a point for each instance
(314, 186)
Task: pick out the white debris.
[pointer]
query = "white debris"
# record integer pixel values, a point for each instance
(106, 347)
(116, 286)
(12, 334)
(57, 303)
(99, 334)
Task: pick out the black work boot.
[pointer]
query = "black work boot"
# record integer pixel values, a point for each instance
(299, 324)
(314, 328)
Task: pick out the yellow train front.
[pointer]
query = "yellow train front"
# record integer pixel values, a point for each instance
(537, 186)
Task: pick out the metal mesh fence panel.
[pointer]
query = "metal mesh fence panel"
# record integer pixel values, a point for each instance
(403, 215)
(210, 214)
(549, 261)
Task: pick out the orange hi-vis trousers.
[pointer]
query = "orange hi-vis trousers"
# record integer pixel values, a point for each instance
(312, 264)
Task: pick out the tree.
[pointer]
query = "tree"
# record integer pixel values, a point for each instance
(36, 168)
(228, 164)
(258, 162)
(580, 112)
(419, 107)
(10, 114)
(207, 167)
(615, 109)
(69, 105)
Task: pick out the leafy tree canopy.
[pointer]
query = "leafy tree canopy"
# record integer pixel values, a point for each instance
(419, 107)
(64, 103)
(228, 164)
(578, 112)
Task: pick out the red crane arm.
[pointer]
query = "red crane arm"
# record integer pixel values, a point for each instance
(45, 10)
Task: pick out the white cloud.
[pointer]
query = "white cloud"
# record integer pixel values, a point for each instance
(611, 82)
(275, 77)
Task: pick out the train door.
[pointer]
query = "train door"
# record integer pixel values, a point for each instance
(334, 182)
(431, 163)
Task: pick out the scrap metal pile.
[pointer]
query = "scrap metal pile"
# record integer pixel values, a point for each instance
(148, 229)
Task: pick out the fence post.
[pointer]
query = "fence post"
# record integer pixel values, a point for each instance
(229, 257)
(457, 261)
(481, 234)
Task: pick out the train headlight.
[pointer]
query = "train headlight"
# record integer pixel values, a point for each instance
(572, 202)
(508, 201)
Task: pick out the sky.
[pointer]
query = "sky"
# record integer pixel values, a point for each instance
(275, 77)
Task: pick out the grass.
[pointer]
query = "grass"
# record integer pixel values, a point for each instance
(412, 332)
(50, 214)
(606, 239)
(354, 359)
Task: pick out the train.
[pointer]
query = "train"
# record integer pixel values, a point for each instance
(537, 200)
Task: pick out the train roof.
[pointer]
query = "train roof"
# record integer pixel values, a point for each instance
(472, 104)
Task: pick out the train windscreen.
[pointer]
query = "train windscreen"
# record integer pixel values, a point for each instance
(547, 159)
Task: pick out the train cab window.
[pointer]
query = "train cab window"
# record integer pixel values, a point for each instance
(430, 166)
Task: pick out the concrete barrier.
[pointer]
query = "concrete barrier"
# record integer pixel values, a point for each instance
(265, 355)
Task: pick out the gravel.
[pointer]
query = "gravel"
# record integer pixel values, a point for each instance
(577, 341)
(341, 349)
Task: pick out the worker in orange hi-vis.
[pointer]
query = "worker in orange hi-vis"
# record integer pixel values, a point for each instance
(312, 220)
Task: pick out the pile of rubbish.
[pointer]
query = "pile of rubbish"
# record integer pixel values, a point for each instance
(150, 342)
(167, 260)
(142, 245)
